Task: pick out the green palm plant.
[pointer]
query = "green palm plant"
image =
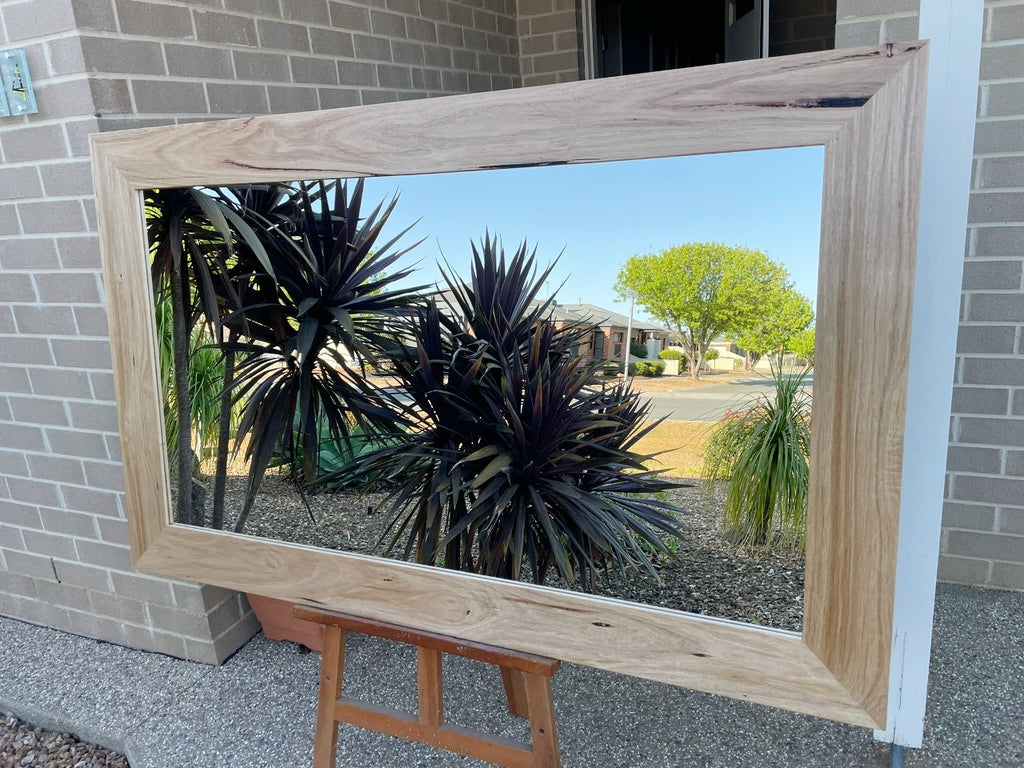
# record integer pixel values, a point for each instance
(188, 237)
(205, 377)
(763, 454)
(511, 454)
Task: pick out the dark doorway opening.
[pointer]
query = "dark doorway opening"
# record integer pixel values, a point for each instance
(632, 36)
(649, 35)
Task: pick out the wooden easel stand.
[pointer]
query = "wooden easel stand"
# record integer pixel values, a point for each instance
(526, 677)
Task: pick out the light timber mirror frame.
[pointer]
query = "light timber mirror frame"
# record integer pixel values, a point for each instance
(865, 106)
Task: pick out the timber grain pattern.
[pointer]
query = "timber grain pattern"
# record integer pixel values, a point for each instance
(865, 106)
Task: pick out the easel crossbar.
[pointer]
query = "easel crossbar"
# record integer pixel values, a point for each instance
(455, 738)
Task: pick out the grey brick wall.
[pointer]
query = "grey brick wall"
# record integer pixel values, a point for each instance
(103, 65)
(869, 22)
(983, 516)
(199, 59)
(63, 541)
(800, 26)
(550, 40)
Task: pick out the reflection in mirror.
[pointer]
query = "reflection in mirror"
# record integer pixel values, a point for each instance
(353, 365)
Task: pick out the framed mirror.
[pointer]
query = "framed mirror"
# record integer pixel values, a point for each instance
(864, 107)
(585, 221)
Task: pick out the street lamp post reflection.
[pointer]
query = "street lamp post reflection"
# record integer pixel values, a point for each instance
(629, 335)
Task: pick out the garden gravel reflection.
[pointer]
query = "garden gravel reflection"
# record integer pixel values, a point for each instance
(709, 575)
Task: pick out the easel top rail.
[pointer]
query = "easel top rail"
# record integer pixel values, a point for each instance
(490, 654)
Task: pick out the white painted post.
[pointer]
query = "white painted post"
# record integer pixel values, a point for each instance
(954, 28)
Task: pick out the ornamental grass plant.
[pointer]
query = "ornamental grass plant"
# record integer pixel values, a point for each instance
(761, 454)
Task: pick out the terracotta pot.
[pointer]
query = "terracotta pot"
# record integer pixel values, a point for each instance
(279, 624)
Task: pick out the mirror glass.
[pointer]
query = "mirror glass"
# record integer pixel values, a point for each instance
(633, 247)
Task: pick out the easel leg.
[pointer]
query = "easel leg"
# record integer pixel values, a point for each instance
(431, 690)
(332, 673)
(542, 722)
(515, 691)
(896, 752)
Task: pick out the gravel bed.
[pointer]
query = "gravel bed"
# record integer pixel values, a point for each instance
(22, 746)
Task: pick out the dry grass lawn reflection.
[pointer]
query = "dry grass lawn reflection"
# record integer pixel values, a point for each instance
(682, 443)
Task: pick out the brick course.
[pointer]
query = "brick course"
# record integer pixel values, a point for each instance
(550, 47)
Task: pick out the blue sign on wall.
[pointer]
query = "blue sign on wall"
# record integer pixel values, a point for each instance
(16, 96)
